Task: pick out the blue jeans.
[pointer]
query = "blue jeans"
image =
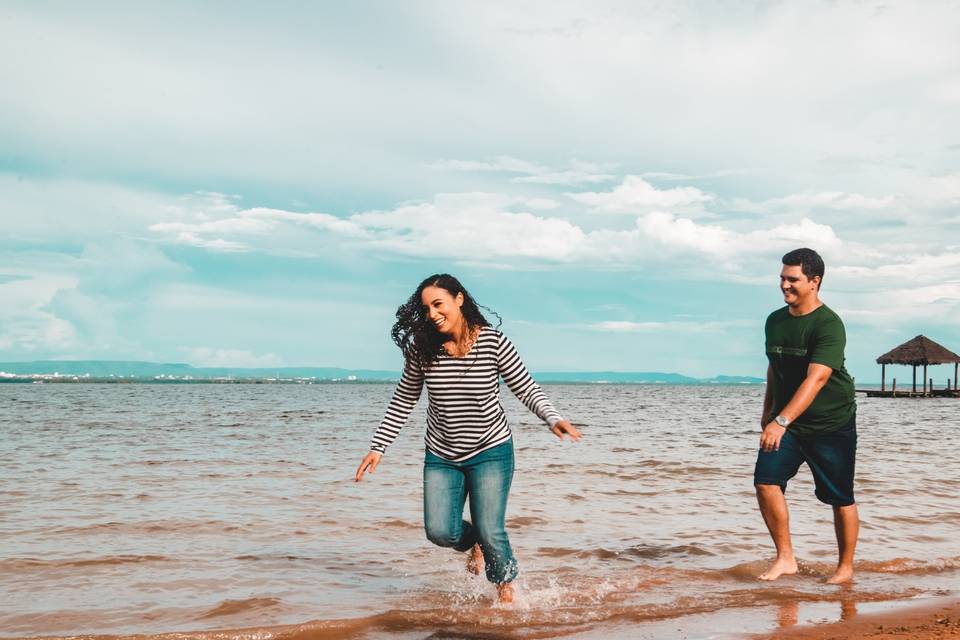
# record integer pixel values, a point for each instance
(486, 478)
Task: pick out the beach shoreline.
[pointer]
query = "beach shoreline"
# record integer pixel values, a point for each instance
(925, 620)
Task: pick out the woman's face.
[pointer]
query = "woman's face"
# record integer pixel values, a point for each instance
(442, 308)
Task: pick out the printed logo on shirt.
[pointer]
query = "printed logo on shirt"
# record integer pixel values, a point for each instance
(787, 351)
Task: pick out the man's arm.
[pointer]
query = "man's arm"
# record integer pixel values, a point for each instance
(817, 376)
(765, 417)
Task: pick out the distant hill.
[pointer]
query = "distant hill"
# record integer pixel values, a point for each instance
(150, 370)
(128, 369)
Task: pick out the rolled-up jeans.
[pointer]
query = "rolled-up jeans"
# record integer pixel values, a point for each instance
(486, 479)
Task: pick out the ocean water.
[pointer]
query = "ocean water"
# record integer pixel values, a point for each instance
(230, 511)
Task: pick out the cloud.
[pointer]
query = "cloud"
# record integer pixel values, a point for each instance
(636, 195)
(192, 239)
(500, 164)
(27, 326)
(577, 172)
(824, 200)
(716, 240)
(721, 173)
(470, 226)
(228, 218)
(496, 229)
(622, 326)
(214, 357)
(900, 270)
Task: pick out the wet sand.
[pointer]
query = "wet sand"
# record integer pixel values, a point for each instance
(939, 618)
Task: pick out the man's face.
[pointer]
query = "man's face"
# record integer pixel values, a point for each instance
(795, 286)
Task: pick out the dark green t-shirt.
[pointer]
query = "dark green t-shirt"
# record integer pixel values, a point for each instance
(793, 342)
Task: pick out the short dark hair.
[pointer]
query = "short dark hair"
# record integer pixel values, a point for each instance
(809, 262)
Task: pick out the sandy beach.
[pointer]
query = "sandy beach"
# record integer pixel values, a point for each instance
(939, 618)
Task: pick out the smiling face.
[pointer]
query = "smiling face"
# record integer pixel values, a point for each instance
(797, 289)
(443, 309)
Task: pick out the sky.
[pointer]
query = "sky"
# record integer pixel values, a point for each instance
(262, 184)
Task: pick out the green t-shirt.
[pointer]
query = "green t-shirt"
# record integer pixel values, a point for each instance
(793, 342)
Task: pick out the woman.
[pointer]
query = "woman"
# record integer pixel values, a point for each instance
(450, 346)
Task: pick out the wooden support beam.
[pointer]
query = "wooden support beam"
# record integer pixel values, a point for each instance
(914, 378)
(924, 379)
(883, 377)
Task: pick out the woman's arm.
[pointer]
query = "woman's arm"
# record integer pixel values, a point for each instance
(404, 399)
(527, 391)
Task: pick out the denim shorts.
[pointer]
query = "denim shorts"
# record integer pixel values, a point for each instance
(830, 456)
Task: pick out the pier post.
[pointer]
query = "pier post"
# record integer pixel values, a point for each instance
(893, 392)
(883, 377)
(924, 379)
(914, 378)
(955, 365)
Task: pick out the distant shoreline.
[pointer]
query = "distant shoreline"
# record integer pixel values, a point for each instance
(268, 381)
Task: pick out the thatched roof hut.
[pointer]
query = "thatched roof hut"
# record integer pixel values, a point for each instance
(917, 352)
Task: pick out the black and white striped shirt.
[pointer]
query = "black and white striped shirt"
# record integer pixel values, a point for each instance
(464, 414)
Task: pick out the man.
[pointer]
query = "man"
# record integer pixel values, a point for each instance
(809, 414)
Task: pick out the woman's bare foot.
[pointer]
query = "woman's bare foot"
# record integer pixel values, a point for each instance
(842, 574)
(504, 593)
(474, 560)
(780, 567)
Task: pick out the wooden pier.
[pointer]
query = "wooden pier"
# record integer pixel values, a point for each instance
(890, 393)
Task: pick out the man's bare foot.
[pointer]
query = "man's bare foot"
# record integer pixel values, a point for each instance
(780, 567)
(843, 574)
(504, 593)
(474, 560)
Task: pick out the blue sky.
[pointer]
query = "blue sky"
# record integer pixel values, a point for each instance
(261, 185)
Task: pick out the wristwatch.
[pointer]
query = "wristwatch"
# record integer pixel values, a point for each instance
(783, 422)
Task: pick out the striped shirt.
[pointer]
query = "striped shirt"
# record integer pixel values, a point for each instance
(464, 414)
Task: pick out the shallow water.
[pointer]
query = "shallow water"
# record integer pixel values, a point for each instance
(147, 509)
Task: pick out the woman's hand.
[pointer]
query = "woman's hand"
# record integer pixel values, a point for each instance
(370, 462)
(564, 427)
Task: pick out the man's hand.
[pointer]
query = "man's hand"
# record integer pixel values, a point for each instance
(369, 463)
(564, 427)
(771, 436)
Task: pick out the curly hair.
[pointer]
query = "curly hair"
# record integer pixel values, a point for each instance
(417, 337)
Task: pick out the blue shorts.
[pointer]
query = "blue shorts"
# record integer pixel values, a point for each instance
(830, 456)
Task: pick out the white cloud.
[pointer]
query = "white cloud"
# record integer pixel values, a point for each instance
(622, 326)
(499, 229)
(224, 225)
(214, 244)
(27, 326)
(636, 195)
(898, 270)
(577, 172)
(322, 221)
(824, 200)
(214, 357)
(500, 164)
(473, 226)
(716, 240)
